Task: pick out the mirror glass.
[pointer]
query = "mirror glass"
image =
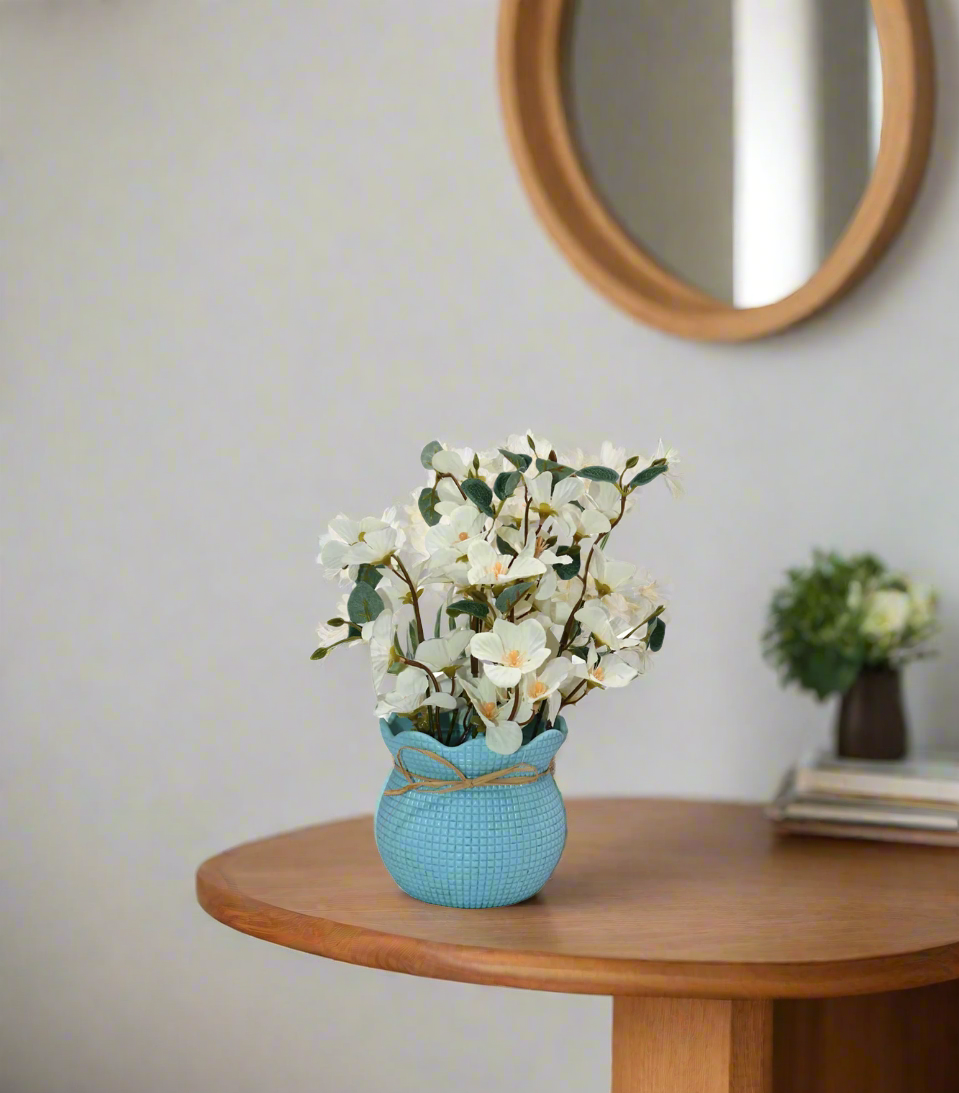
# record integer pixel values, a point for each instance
(731, 139)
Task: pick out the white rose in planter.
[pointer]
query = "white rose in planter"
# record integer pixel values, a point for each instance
(887, 614)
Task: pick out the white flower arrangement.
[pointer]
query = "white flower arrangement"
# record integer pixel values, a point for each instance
(841, 615)
(503, 552)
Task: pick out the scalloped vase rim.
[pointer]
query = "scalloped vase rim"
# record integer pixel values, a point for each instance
(413, 736)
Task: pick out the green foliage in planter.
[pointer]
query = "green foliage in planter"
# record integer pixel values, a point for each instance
(840, 615)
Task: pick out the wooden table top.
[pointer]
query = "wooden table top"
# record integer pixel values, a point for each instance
(653, 897)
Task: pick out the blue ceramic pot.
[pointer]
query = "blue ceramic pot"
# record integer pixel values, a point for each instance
(486, 846)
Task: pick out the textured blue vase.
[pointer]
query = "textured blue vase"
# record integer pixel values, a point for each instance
(486, 846)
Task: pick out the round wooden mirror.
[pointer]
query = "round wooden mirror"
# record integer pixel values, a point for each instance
(721, 169)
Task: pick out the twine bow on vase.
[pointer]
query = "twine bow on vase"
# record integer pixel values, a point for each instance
(522, 774)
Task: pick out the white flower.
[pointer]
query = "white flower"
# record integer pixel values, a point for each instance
(511, 650)
(382, 653)
(349, 542)
(607, 499)
(672, 475)
(556, 501)
(922, 605)
(649, 590)
(588, 522)
(452, 537)
(449, 462)
(545, 685)
(409, 695)
(563, 596)
(519, 443)
(639, 658)
(414, 525)
(612, 457)
(375, 548)
(392, 590)
(440, 654)
(887, 614)
(546, 589)
(330, 635)
(503, 734)
(342, 533)
(488, 566)
(607, 576)
(595, 620)
(611, 671)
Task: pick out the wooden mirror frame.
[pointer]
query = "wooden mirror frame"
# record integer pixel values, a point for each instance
(531, 58)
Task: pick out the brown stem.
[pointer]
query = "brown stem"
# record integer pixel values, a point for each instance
(515, 708)
(649, 618)
(474, 663)
(416, 603)
(417, 664)
(446, 474)
(568, 628)
(570, 699)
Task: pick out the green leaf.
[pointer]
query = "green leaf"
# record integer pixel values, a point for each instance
(438, 624)
(427, 502)
(468, 607)
(511, 595)
(598, 474)
(426, 455)
(480, 494)
(648, 475)
(566, 571)
(364, 604)
(354, 631)
(657, 634)
(558, 470)
(414, 638)
(503, 547)
(827, 672)
(519, 460)
(320, 653)
(368, 574)
(395, 668)
(506, 482)
(581, 651)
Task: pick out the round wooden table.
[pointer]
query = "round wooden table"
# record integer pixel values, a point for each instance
(738, 962)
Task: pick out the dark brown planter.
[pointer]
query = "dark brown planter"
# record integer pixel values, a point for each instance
(872, 722)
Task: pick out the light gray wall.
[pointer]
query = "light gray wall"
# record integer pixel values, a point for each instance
(846, 125)
(650, 92)
(257, 253)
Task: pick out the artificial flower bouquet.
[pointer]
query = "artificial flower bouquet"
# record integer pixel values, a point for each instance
(490, 603)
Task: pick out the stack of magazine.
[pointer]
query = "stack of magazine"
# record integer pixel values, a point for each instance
(914, 801)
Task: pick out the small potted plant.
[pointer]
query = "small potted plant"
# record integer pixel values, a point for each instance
(489, 605)
(847, 626)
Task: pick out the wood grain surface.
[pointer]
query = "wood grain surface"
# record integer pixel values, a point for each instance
(902, 1042)
(695, 1045)
(651, 897)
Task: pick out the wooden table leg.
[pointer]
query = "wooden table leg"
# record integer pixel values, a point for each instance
(900, 1042)
(686, 1045)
